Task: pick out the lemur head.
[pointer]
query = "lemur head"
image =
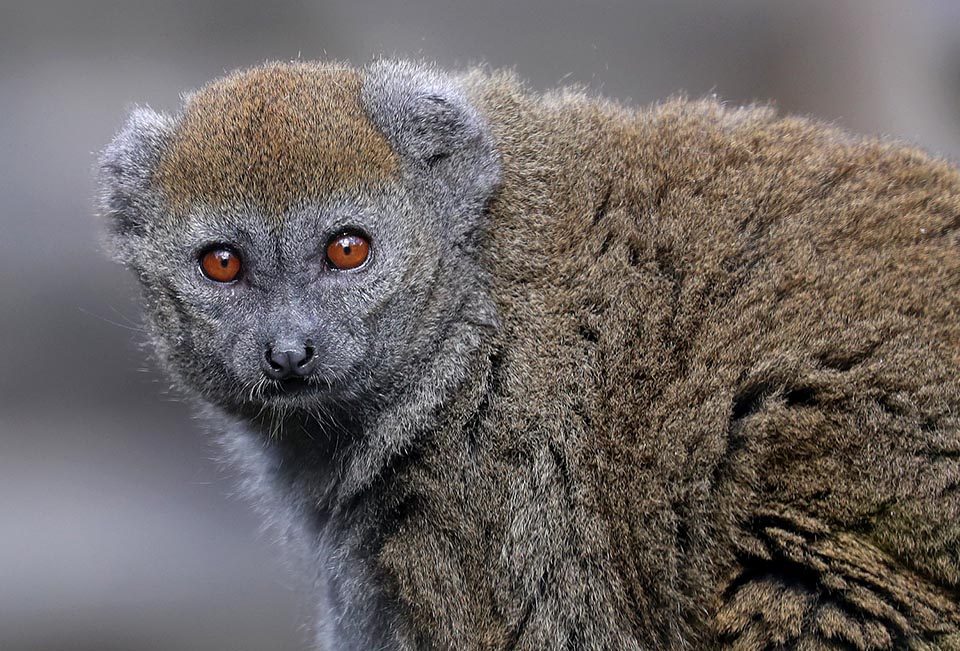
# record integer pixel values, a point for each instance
(303, 232)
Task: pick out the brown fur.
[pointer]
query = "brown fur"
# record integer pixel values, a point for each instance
(728, 388)
(281, 133)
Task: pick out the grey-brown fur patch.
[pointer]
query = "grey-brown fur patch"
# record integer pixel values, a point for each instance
(274, 136)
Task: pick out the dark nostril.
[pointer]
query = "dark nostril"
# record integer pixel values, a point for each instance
(277, 361)
(307, 357)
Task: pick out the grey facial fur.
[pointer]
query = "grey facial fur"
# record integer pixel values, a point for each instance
(213, 335)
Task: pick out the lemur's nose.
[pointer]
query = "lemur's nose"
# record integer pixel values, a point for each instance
(288, 362)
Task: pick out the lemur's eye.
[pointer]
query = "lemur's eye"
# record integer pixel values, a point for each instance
(220, 264)
(348, 251)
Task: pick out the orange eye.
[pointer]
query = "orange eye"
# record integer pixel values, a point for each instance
(221, 265)
(348, 251)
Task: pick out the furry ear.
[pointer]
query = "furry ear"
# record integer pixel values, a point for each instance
(430, 122)
(126, 167)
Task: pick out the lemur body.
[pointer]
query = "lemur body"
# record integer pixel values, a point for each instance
(686, 377)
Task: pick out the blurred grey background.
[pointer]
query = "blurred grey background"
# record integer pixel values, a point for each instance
(117, 530)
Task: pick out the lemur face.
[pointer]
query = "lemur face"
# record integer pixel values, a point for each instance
(258, 310)
(301, 232)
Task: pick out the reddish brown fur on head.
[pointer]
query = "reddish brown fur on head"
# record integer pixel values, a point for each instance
(273, 136)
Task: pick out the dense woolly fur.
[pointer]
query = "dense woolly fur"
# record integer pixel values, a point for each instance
(678, 378)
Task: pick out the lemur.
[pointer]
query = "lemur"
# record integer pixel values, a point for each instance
(523, 370)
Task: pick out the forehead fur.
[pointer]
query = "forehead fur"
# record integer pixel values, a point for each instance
(272, 136)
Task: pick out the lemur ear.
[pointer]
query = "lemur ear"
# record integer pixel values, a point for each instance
(126, 168)
(430, 122)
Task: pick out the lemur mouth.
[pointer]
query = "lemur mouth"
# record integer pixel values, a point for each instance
(289, 387)
(294, 385)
